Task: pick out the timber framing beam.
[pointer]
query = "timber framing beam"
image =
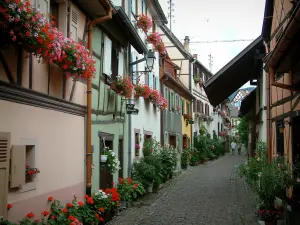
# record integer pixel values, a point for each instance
(284, 100)
(6, 69)
(280, 85)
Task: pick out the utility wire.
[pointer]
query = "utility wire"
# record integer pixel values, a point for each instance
(216, 41)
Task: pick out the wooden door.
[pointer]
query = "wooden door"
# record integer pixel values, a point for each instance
(184, 142)
(172, 141)
(106, 178)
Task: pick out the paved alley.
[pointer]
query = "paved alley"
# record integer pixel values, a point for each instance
(208, 194)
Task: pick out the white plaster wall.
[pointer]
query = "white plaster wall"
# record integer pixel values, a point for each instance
(59, 145)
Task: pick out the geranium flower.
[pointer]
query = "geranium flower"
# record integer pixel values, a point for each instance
(30, 215)
(9, 206)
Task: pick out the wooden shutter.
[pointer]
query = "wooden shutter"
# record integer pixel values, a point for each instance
(74, 21)
(4, 171)
(182, 106)
(107, 56)
(18, 163)
(44, 6)
(150, 80)
(121, 64)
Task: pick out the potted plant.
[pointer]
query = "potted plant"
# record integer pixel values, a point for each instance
(142, 91)
(144, 22)
(30, 172)
(125, 189)
(103, 156)
(160, 48)
(267, 217)
(185, 155)
(112, 163)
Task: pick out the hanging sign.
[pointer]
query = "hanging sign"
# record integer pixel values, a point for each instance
(131, 110)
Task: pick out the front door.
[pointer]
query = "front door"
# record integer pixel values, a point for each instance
(184, 142)
(106, 178)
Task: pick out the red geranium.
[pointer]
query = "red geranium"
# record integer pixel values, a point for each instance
(144, 22)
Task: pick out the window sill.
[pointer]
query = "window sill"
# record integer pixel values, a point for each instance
(25, 188)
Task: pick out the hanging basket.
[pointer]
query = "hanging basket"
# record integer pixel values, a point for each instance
(103, 158)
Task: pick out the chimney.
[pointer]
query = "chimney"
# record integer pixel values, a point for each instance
(187, 43)
(195, 56)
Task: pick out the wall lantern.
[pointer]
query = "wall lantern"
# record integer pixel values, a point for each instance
(149, 58)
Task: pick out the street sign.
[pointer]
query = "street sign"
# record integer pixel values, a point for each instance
(132, 111)
(129, 106)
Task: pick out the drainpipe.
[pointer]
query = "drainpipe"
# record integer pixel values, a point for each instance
(89, 102)
(269, 123)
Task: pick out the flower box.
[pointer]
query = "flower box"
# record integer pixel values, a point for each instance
(26, 26)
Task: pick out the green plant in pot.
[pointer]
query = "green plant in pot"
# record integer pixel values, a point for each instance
(125, 189)
(144, 173)
(185, 156)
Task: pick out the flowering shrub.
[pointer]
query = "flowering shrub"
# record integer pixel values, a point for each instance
(30, 170)
(112, 163)
(114, 198)
(268, 215)
(154, 38)
(141, 91)
(187, 116)
(72, 213)
(124, 86)
(156, 98)
(130, 189)
(26, 26)
(137, 149)
(144, 22)
(101, 200)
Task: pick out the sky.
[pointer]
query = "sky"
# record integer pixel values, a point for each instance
(210, 20)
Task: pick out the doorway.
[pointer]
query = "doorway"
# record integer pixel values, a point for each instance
(105, 177)
(185, 142)
(296, 139)
(172, 140)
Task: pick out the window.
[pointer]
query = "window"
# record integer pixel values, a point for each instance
(280, 137)
(114, 62)
(172, 101)
(153, 27)
(133, 7)
(54, 13)
(182, 106)
(154, 82)
(147, 78)
(144, 7)
(22, 164)
(202, 108)
(188, 108)
(137, 142)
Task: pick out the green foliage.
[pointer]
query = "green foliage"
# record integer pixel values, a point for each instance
(202, 130)
(185, 157)
(268, 180)
(130, 189)
(156, 162)
(143, 173)
(206, 148)
(242, 129)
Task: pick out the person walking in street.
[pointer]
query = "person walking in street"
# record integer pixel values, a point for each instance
(233, 147)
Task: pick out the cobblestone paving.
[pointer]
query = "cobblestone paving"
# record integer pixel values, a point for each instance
(208, 194)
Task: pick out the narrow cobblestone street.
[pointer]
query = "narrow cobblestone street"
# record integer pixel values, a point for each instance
(208, 194)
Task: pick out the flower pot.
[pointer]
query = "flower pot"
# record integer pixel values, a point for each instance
(260, 222)
(123, 204)
(270, 222)
(107, 216)
(184, 166)
(103, 158)
(150, 188)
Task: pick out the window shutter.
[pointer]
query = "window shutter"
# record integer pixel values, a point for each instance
(121, 64)
(157, 83)
(195, 106)
(107, 56)
(4, 171)
(134, 75)
(44, 6)
(200, 108)
(18, 162)
(74, 19)
(150, 77)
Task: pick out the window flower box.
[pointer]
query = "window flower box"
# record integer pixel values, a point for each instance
(142, 91)
(123, 86)
(27, 27)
